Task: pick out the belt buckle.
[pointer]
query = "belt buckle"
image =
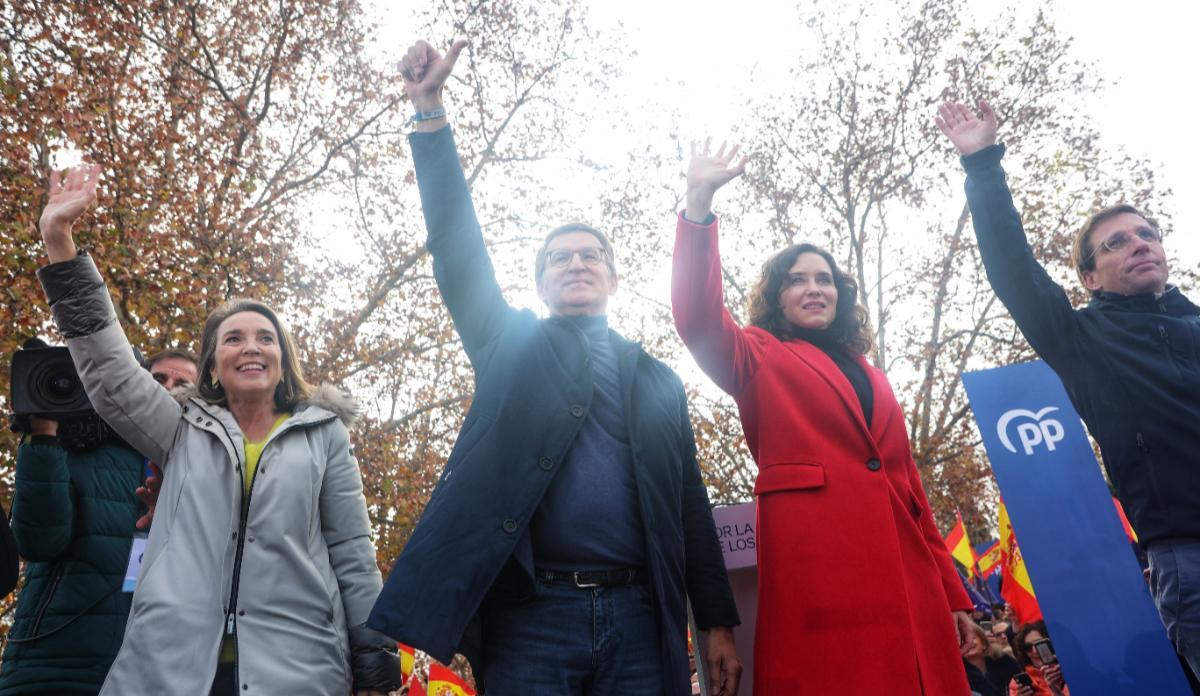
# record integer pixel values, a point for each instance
(582, 585)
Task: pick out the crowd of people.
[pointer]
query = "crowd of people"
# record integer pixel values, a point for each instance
(570, 530)
(1001, 660)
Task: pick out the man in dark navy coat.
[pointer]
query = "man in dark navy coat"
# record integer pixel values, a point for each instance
(1130, 360)
(571, 525)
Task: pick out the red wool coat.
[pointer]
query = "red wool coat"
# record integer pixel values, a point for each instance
(855, 587)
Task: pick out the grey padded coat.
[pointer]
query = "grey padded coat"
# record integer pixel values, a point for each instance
(289, 586)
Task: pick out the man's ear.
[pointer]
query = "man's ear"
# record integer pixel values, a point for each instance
(1090, 281)
(613, 289)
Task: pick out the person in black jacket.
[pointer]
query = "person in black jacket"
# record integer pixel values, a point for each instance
(571, 524)
(1130, 360)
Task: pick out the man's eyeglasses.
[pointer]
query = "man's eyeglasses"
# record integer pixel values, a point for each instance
(561, 258)
(1122, 239)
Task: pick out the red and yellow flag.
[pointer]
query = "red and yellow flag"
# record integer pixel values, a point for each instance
(443, 682)
(415, 688)
(960, 546)
(990, 559)
(1125, 521)
(408, 659)
(1015, 584)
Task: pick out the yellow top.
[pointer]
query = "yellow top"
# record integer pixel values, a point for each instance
(253, 454)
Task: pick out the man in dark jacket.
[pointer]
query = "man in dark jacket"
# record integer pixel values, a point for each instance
(73, 516)
(570, 525)
(1130, 361)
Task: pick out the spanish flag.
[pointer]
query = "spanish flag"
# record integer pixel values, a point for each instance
(990, 559)
(1016, 586)
(415, 688)
(1125, 522)
(443, 682)
(960, 546)
(408, 658)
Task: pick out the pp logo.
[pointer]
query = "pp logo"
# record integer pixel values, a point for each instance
(1032, 432)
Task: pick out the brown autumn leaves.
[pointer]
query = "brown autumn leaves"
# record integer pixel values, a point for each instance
(255, 148)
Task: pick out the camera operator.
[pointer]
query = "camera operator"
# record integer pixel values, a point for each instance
(73, 517)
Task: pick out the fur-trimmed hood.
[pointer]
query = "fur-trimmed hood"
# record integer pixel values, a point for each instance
(325, 396)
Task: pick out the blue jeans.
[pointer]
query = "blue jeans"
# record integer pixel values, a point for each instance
(1175, 584)
(568, 641)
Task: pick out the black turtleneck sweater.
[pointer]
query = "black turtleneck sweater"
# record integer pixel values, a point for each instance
(854, 372)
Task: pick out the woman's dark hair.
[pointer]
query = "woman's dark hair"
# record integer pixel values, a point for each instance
(1021, 647)
(850, 326)
(291, 390)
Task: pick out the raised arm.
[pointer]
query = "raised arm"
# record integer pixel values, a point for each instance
(124, 394)
(704, 323)
(461, 264)
(1039, 306)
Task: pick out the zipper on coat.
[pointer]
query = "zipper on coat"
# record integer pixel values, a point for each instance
(1170, 354)
(1152, 474)
(247, 494)
(244, 515)
(59, 568)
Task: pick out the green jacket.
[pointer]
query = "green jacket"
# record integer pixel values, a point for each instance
(73, 516)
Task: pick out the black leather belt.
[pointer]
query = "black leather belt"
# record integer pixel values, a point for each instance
(593, 578)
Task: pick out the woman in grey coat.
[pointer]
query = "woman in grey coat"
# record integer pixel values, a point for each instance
(259, 571)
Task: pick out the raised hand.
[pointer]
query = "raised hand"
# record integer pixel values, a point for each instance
(67, 203)
(425, 72)
(708, 172)
(969, 133)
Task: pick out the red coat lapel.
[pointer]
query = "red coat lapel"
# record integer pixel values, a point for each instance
(823, 365)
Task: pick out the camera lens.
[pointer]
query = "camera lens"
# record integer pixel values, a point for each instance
(57, 383)
(60, 385)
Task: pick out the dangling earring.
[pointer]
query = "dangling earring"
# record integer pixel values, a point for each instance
(215, 382)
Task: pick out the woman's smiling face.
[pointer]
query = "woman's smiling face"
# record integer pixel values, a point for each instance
(809, 296)
(248, 357)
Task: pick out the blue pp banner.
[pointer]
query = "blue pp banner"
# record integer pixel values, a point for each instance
(1102, 621)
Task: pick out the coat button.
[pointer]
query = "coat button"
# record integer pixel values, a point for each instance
(242, 612)
(873, 464)
(185, 409)
(577, 411)
(546, 463)
(250, 539)
(510, 526)
(235, 536)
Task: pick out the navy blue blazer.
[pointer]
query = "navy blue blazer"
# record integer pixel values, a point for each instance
(533, 389)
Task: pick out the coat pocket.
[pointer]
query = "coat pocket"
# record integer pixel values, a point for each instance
(789, 476)
(914, 504)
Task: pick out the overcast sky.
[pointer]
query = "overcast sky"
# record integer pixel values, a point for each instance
(1145, 50)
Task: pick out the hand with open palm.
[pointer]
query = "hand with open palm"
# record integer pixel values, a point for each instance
(68, 201)
(706, 173)
(968, 132)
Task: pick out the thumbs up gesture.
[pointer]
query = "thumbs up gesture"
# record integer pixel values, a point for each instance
(425, 72)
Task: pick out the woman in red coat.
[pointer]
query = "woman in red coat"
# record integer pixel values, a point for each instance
(856, 592)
